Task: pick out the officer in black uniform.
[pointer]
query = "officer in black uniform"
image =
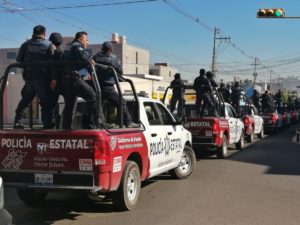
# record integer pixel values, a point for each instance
(211, 79)
(37, 78)
(203, 90)
(235, 96)
(278, 97)
(178, 95)
(107, 81)
(267, 103)
(225, 93)
(73, 84)
(256, 100)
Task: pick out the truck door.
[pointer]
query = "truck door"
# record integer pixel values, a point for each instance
(257, 120)
(232, 123)
(159, 136)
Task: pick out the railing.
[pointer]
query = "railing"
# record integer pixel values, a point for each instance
(100, 116)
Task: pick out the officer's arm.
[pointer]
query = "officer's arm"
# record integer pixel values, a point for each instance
(82, 54)
(195, 84)
(21, 53)
(118, 66)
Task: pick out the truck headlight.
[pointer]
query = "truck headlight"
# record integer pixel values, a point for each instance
(1, 194)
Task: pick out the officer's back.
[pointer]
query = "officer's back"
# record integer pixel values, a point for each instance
(35, 49)
(201, 83)
(106, 76)
(178, 86)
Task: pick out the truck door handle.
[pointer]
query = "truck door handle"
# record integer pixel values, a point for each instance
(153, 135)
(169, 133)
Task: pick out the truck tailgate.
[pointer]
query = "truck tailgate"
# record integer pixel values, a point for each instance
(44, 157)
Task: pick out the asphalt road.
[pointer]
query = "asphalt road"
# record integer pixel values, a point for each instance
(258, 185)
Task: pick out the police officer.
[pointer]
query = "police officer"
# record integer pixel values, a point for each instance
(278, 97)
(37, 78)
(210, 78)
(225, 93)
(73, 84)
(203, 89)
(107, 80)
(256, 99)
(267, 102)
(235, 96)
(178, 95)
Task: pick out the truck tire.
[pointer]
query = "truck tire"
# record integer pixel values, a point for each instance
(31, 196)
(250, 137)
(241, 143)
(223, 149)
(127, 195)
(186, 165)
(262, 133)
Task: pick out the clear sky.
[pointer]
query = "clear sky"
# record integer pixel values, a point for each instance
(182, 40)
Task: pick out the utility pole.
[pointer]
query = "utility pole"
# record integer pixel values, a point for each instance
(254, 72)
(214, 56)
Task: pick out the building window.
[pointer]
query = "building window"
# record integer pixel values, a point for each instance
(136, 58)
(136, 70)
(169, 73)
(11, 55)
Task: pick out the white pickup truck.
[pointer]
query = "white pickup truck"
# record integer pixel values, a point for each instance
(106, 159)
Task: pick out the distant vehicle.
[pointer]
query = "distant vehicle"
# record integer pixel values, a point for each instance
(5, 217)
(273, 121)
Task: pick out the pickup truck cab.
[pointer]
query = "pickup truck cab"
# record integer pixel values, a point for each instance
(212, 132)
(98, 161)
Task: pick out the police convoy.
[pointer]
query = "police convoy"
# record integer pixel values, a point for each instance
(112, 155)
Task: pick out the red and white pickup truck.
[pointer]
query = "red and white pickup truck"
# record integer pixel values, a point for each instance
(97, 161)
(216, 133)
(212, 132)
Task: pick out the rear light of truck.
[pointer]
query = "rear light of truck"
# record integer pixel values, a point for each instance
(284, 115)
(246, 121)
(216, 128)
(101, 153)
(274, 118)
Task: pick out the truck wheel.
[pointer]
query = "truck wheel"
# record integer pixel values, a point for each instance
(241, 143)
(31, 196)
(186, 165)
(250, 138)
(223, 149)
(126, 197)
(262, 133)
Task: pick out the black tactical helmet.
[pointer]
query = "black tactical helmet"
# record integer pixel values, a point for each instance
(177, 75)
(107, 46)
(209, 74)
(56, 39)
(202, 72)
(236, 84)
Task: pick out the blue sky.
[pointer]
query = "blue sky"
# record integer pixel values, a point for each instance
(172, 37)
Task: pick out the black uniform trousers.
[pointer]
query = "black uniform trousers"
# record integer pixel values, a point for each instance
(47, 97)
(207, 102)
(180, 106)
(110, 94)
(73, 87)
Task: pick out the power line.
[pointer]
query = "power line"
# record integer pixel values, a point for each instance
(79, 6)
